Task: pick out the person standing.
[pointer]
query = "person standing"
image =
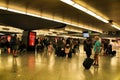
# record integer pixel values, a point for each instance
(106, 42)
(88, 47)
(15, 45)
(97, 50)
(67, 50)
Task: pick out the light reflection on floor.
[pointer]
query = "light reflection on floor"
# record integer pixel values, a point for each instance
(43, 66)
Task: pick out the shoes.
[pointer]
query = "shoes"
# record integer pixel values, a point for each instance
(96, 64)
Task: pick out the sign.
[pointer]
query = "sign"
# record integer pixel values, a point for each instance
(32, 37)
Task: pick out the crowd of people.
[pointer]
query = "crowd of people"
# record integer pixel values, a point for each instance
(98, 46)
(62, 47)
(12, 44)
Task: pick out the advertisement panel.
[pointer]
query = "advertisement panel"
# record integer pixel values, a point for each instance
(32, 37)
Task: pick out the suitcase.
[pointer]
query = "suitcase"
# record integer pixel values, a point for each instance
(87, 63)
(113, 53)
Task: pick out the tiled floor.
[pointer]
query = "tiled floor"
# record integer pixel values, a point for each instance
(38, 66)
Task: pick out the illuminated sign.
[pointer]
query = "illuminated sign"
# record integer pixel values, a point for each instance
(32, 37)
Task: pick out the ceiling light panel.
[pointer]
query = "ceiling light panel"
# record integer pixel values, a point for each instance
(77, 6)
(60, 21)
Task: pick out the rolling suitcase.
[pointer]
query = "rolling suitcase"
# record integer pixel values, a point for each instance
(113, 53)
(87, 63)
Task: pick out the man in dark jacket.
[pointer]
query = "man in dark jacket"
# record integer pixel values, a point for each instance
(88, 47)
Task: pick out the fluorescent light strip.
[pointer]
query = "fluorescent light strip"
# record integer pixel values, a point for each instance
(92, 29)
(57, 30)
(80, 7)
(16, 11)
(10, 29)
(115, 27)
(60, 21)
(3, 8)
(78, 37)
(70, 2)
(73, 30)
(71, 36)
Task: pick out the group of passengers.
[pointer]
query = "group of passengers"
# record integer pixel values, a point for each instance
(12, 44)
(90, 43)
(98, 46)
(62, 47)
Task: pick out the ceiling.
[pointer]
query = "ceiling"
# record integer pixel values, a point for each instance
(109, 8)
(59, 10)
(26, 22)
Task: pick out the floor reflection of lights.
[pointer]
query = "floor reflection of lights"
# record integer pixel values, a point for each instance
(58, 68)
(9, 62)
(38, 59)
(0, 61)
(51, 62)
(113, 62)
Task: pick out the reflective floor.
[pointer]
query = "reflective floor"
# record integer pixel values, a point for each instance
(47, 66)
